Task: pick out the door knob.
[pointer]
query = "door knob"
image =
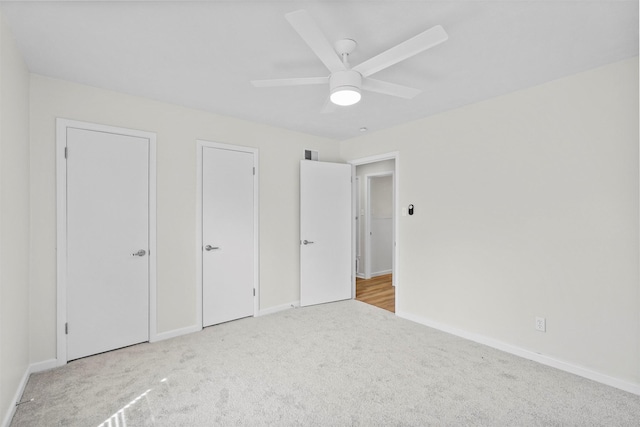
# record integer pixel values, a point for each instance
(307, 242)
(210, 248)
(141, 252)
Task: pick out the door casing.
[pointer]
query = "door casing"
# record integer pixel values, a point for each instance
(61, 226)
(358, 221)
(200, 144)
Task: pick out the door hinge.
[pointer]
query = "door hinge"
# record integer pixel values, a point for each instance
(254, 170)
(66, 152)
(66, 328)
(254, 292)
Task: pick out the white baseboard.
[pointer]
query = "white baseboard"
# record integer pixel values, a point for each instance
(381, 273)
(176, 333)
(43, 366)
(527, 354)
(34, 367)
(196, 328)
(278, 308)
(16, 398)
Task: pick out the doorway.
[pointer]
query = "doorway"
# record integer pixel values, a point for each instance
(375, 224)
(378, 291)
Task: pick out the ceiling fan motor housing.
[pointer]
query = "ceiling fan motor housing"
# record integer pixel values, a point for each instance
(345, 87)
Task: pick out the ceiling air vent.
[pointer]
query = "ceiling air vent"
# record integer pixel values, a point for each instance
(311, 155)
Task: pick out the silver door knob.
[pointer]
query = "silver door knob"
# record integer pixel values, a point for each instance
(141, 252)
(210, 248)
(307, 242)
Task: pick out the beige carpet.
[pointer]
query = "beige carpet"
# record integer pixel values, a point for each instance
(341, 364)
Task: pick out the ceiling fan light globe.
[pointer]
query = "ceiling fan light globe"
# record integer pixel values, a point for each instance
(345, 95)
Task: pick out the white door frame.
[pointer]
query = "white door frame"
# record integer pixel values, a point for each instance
(61, 219)
(200, 144)
(394, 155)
(357, 217)
(367, 230)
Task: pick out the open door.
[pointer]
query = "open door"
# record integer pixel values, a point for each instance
(325, 232)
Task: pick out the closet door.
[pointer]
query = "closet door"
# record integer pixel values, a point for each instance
(107, 267)
(228, 235)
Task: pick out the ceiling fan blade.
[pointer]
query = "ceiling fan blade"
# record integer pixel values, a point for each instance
(387, 88)
(290, 82)
(423, 41)
(306, 27)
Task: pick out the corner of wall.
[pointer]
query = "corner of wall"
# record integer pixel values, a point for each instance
(14, 223)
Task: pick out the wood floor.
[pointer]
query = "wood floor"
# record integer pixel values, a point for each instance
(377, 291)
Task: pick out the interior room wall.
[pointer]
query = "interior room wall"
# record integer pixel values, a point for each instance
(14, 221)
(527, 205)
(361, 172)
(177, 130)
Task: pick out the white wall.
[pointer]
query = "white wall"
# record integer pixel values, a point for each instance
(527, 205)
(177, 129)
(14, 221)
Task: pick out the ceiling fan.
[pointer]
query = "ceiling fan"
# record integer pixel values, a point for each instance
(346, 82)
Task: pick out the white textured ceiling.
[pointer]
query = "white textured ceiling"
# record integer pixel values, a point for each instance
(203, 54)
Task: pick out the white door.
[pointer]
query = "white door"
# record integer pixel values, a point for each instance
(227, 235)
(107, 241)
(325, 232)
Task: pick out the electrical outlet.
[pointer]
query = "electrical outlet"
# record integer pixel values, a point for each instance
(541, 324)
